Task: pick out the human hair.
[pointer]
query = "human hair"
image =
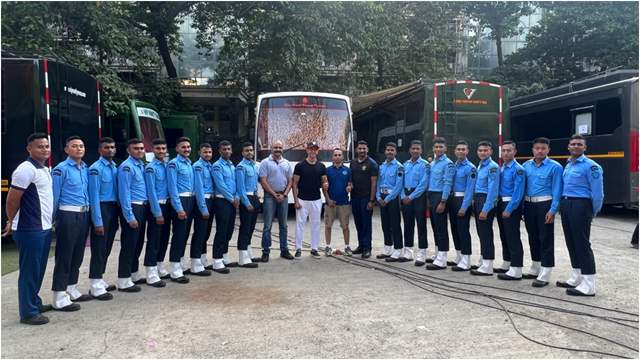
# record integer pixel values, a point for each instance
(541, 140)
(338, 149)
(509, 142)
(416, 142)
(36, 136)
(183, 139)
(463, 142)
(106, 140)
(223, 143)
(363, 142)
(205, 146)
(133, 141)
(71, 138)
(439, 140)
(159, 142)
(578, 137)
(246, 144)
(392, 144)
(485, 143)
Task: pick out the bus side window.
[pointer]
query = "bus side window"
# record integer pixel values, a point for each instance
(608, 116)
(583, 122)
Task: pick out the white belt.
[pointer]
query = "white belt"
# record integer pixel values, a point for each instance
(220, 196)
(208, 196)
(506, 198)
(536, 199)
(186, 194)
(250, 193)
(458, 193)
(138, 202)
(74, 208)
(163, 201)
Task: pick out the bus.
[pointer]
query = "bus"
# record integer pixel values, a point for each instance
(454, 109)
(296, 118)
(604, 109)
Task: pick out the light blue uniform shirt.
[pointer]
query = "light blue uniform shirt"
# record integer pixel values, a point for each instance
(131, 185)
(488, 182)
(465, 181)
(390, 180)
(155, 176)
(70, 184)
(202, 183)
(512, 183)
(442, 173)
(277, 173)
(416, 177)
(179, 179)
(246, 180)
(103, 187)
(583, 179)
(224, 179)
(544, 180)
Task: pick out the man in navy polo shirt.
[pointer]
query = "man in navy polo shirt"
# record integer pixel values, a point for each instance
(337, 200)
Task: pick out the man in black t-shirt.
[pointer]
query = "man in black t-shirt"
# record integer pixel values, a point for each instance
(364, 175)
(308, 177)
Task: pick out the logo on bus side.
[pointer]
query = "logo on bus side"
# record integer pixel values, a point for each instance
(469, 92)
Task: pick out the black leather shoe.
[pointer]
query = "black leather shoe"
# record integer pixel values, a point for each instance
(435, 267)
(45, 308)
(391, 259)
(537, 283)
(181, 280)
(187, 272)
(403, 259)
(140, 281)
(38, 319)
(574, 292)
(231, 264)
(164, 277)
(429, 261)
(562, 284)
(82, 298)
(104, 297)
(256, 259)
(209, 267)
(110, 288)
(382, 256)
(474, 267)
(529, 276)
(366, 254)
(451, 263)
(69, 308)
(285, 255)
(479, 273)
(358, 251)
(458, 268)
(500, 271)
(507, 277)
(250, 265)
(204, 272)
(419, 263)
(131, 289)
(222, 271)
(264, 258)
(158, 284)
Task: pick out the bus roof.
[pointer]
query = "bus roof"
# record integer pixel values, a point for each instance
(304, 93)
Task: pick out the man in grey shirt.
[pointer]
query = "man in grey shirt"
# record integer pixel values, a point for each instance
(275, 177)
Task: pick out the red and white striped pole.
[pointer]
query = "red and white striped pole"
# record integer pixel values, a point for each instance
(99, 112)
(47, 102)
(500, 125)
(435, 110)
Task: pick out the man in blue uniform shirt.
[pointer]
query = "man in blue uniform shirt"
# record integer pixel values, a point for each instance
(203, 213)
(464, 184)
(414, 203)
(180, 182)
(388, 196)
(512, 183)
(72, 218)
(158, 215)
(337, 201)
(541, 201)
(132, 194)
(226, 203)
(441, 180)
(103, 196)
(484, 205)
(247, 192)
(582, 196)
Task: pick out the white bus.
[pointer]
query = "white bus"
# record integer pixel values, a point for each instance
(296, 118)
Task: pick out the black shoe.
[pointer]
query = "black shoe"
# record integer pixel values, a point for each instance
(298, 252)
(507, 277)
(223, 270)
(181, 280)
(256, 260)
(38, 319)
(204, 272)
(45, 308)
(458, 268)
(451, 263)
(140, 281)
(391, 259)
(314, 253)
(500, 271)
(264, 258)
(429, 261)
(435, 267)
(474, 267)
(358, 251)
(382, 256)
(209, 267)
(185, 272)
(111, 288)
(158, 284)
(419, 263)
(574, 292)
(104, 297)
(537, 283)
(479, 273)
(131, 289)
(285, 255)
(82, 298)
(164, 277)
(529, 276)
(69, 308)
(403, 259)
(250, 265)
(231, 264)
(562, 284)
(366, 254)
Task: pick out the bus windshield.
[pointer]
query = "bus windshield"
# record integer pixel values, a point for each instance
(296, 120)
(150, 127)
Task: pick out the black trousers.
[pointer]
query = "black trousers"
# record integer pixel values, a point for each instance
(414, 213)
(180, 228)
(459, 225)
(101, 244)
(510, 234)
(225, 221)
(157, 236)
(248, 222)
(390, 217)
(484, 227)
(577, 214)
(131, 242)
(362, 219)
(72, 229)
(201, 230)
(540, 234)
(438, 222)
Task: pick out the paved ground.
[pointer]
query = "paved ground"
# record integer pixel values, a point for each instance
(325, 308)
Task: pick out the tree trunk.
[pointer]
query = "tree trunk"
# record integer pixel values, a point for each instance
(498, 33)
(163, 48)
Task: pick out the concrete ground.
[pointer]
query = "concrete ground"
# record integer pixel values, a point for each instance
(326, 308)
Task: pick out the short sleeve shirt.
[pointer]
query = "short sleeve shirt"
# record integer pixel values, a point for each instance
(339, 178)
(310, 179)
(36, 204)
(361, 173)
